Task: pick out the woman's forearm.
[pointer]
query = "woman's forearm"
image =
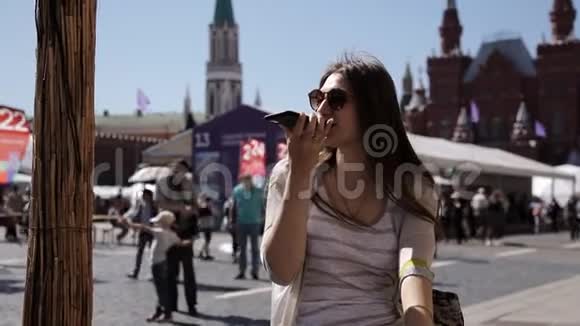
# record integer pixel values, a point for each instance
(285, 243)
(417, 300)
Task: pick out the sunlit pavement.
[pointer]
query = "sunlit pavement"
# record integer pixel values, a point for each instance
(529, 280)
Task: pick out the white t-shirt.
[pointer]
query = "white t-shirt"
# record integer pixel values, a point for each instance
(163, 240)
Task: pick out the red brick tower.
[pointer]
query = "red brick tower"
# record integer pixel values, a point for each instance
(558, 65)
(446, 76)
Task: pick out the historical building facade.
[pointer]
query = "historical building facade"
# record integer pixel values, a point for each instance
(224, 70)
(503, 97)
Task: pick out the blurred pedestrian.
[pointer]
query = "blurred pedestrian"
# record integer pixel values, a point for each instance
(554, 210)
(495, 216)
(115, 213)
(14, 205)
(230, 213)
(458, 216)
(537, 207)
(141, 214)
(446, 228)
(480, 205)
(206, 222)
(571, 216)
(164, 239)
(249, 204)
(175, 193)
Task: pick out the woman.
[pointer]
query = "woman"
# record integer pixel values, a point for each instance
(341, 258)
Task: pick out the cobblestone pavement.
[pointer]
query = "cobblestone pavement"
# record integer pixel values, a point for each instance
(477, 273)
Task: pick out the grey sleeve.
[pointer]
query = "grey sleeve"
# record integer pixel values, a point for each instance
(416, 248)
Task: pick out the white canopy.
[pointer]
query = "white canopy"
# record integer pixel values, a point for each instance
(435, 152)
(542, 186)
(178, 147)
(132, 192)
(443, 153)
(150, 174)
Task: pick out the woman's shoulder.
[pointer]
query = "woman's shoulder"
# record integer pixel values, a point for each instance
(279, 172)
(404, 219)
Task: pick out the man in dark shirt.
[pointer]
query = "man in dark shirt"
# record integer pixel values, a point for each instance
(176, 194)
(141, 213)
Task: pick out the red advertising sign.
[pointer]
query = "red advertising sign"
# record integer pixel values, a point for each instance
(253, 158)
(14, 136)
(281, 150)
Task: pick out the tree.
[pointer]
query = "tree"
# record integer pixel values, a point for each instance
(59, 278)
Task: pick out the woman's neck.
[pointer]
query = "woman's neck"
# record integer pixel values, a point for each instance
(350, 158)
(351, 166)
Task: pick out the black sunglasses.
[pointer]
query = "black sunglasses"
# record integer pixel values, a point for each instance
(336, 98)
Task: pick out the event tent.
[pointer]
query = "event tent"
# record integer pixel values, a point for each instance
(437, 153)
(563, 189)
(178, 147)
(444, 154)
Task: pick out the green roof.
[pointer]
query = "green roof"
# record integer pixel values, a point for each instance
(224, 13)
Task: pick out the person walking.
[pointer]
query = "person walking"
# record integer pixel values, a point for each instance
(479, 206)
(495, 217)
(249, 204)
(175, 193)
(554, 210)
(459, 217)
(537, 208)
(14, 203)
(115, 213)
(144, 210)
(338, 256)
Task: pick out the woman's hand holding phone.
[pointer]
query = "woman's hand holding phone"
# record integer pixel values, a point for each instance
(305, 143)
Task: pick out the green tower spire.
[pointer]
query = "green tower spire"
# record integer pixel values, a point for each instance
(224, 13)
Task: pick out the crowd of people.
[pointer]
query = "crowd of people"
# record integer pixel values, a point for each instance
(486, 215)
(482, 217)
(170, 220)
(14, 203)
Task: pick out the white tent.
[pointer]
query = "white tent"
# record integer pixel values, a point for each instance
(149, 174)
(437, 153)
(542, 186)
(178, 147)
(442, 154)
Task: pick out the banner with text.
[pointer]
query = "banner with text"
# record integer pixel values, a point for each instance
(14, 137)
(253, 159)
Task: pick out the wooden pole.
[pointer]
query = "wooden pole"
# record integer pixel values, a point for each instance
(59, 278)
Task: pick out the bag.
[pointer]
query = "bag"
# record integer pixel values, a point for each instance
(446, 306)
(446, 309)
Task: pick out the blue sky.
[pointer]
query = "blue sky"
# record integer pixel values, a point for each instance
(284, 45)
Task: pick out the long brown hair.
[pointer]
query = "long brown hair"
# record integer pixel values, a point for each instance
(376, 104)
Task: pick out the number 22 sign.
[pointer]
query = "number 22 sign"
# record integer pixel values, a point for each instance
(13, 120)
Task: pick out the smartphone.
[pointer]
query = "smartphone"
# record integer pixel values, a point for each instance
(287, 119)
